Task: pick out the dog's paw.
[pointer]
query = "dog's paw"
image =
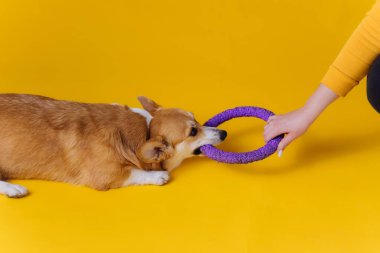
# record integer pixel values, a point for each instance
(157, 177)
(143, 177)
(13, 190)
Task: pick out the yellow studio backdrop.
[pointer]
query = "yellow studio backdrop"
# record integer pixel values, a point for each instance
(203, 56)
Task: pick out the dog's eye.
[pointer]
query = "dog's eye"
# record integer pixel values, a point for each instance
(193, 131)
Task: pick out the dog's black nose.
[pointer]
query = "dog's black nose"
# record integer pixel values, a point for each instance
(197, 151)
(222, 135)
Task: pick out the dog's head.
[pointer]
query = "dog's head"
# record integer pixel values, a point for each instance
(175, 135)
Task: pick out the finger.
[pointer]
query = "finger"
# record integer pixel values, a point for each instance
(271, 118)
(272, 132)
(285, 142)
(267, 133)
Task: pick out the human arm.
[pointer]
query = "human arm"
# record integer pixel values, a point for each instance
(349, 67)
(296, 123)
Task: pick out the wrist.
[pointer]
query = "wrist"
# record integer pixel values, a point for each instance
(318, 102)
(311, 111)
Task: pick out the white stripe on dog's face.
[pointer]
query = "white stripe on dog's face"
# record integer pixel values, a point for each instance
(186, 148)
(179, 128)
(211, 136)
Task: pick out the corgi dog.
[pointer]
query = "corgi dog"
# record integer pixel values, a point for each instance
(101, 146)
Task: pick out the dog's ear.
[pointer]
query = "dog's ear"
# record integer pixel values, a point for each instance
(155, 150)
(148, 104)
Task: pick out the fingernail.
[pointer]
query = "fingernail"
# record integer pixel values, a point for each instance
(279, 153)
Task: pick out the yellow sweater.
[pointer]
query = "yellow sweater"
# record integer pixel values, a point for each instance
(357, 55)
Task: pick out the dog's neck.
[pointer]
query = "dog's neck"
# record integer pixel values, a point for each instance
(148, 117)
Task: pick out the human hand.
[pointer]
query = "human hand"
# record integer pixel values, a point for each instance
(293, 125)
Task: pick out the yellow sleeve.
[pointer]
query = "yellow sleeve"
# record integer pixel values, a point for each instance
(357, 55)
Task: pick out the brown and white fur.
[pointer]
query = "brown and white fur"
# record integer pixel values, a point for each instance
(101, 146)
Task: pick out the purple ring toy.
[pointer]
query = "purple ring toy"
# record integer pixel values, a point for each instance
(245, 157)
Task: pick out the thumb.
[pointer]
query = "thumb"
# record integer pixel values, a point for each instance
(284, 143)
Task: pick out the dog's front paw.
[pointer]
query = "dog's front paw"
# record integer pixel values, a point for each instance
(157, 177)
(13, 190)
(143, 177)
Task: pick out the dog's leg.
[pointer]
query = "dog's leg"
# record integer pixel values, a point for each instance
(12, 190)
(141, 177)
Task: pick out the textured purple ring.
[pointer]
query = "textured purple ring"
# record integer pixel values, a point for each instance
(244, 157)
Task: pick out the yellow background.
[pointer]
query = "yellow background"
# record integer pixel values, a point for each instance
(203, 56)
